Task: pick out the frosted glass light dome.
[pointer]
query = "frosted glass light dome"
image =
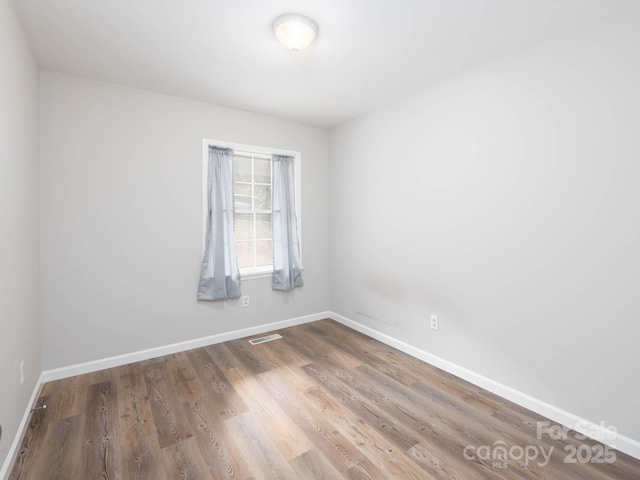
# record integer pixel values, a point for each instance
(295, 32)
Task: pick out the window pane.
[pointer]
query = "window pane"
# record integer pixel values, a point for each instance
(242, 168)
(244, 226)
(264, 252)
(242, 197)
(252, 194)
(242, 189)
(262, 170)
(244, 251)
(263, 197)
(263, 226)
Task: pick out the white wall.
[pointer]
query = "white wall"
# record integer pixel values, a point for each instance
(507, 202)
(513, 216)
(122, 233)
(19, 244)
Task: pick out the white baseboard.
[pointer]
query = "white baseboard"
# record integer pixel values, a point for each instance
(11, 454)
(596, 431)
(562, 417)
(96, 365)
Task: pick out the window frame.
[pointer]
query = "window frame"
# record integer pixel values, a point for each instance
(264, 271)
(254, 211)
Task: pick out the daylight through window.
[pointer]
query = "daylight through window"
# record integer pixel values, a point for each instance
(252, 182)
(252, 202)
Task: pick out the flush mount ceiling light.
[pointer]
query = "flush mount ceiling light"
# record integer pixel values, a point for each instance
(295, 32)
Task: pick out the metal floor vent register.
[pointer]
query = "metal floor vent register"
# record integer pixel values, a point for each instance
(268, 338)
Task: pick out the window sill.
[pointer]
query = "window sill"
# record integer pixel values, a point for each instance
(255, 275)
(258, 273)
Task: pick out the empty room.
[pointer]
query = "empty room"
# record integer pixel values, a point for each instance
(357, 239)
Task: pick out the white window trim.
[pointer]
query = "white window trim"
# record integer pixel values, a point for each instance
(255, 272)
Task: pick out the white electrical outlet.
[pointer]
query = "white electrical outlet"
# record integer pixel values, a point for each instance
(245, 300)
(22, 372)
(435, 323)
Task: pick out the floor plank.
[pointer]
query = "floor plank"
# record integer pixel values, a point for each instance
(142, 460)
(101, 447)
(166, 407)
(214, 438)
(323, 402)
(65, 439)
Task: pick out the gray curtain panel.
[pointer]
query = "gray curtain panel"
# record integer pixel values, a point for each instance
(219, 274)
(287, 269)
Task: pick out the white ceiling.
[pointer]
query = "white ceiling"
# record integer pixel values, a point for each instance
(368, 52)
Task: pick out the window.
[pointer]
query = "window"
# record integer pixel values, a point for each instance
(252, 203)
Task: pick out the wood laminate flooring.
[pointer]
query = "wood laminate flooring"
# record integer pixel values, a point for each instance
(323, 402)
